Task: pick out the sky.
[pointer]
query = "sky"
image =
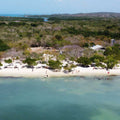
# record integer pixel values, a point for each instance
(58, 6)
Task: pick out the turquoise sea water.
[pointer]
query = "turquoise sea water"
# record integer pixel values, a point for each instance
(71, 98)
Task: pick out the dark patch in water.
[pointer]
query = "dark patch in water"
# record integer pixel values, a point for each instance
(51, 112)
(9, 77)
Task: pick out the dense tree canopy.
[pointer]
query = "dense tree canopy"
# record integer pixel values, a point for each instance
(110, 62)
(114, 51)
(3, 46)
(30, 62)
(84, 61)
(54, 64)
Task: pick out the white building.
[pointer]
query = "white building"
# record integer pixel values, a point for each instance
(97, 47)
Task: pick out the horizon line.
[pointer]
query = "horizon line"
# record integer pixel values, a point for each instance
(52, 13)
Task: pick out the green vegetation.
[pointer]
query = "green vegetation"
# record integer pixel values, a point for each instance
(110, 62)
(3, 46)
(88, 33)
(24, 19)
(30, 62)
(97, 57)
(54, 64)
(61, 57)
(69, 67)
(100, 61)
(80, 31)
(84, 61)
(114, 51)
(1, 64)
(72, 35)
(8, 61)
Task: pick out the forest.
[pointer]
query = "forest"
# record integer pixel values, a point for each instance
(76, 33)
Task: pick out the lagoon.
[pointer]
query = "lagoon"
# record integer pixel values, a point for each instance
(65, 98)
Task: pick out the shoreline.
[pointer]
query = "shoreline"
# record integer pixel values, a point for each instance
(44, 73)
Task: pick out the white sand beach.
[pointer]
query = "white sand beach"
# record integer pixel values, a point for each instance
(42, 72)
(19, 69)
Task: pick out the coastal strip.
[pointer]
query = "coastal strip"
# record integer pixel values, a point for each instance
(42, 72)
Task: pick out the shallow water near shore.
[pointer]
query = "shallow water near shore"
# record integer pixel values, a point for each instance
(66, 98)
